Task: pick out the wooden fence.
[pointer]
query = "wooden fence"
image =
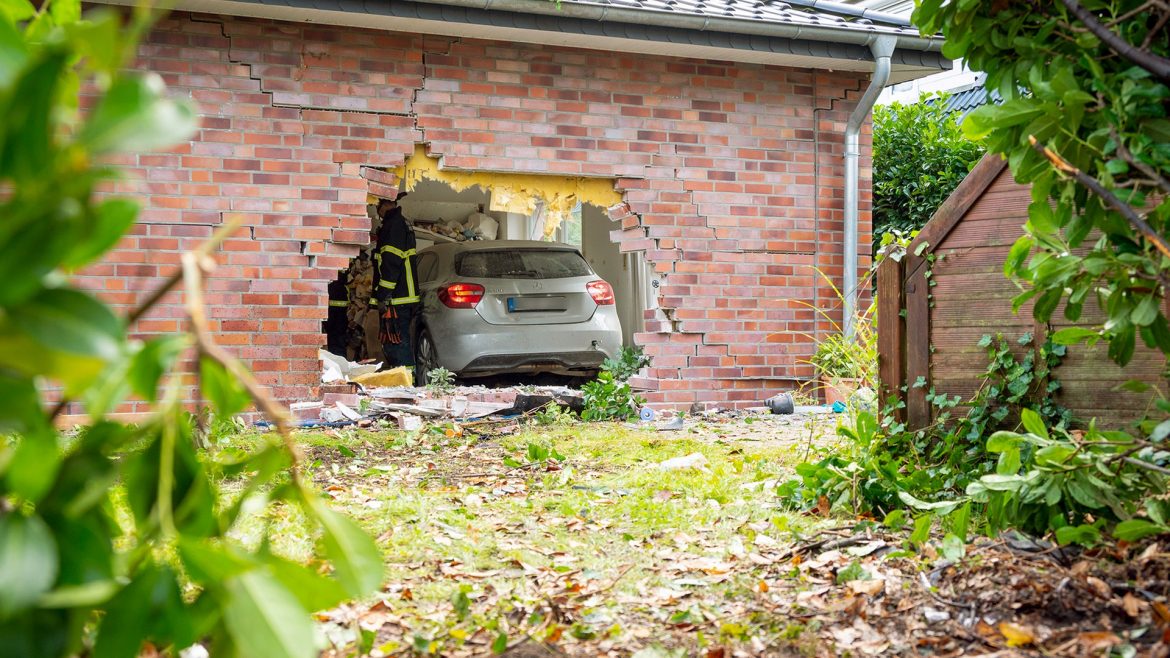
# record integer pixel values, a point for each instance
(949, 290)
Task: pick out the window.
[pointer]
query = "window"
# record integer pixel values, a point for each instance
(426, 267)
(569, 232)
(522, 264)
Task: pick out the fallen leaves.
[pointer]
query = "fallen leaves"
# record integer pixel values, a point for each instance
(568, 561)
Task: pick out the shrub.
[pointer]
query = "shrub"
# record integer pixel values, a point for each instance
(627, 364)
(919, 157)
(607, 398)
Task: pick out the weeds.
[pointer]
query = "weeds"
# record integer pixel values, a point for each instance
(537, 453)
(440, 381)
(554, 414)
(610, 397)
(627, 364)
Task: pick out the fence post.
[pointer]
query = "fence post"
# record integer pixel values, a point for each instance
(917, 341)
(891, 334)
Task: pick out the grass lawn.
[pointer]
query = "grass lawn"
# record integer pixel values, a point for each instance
(569, 539)
(500, 536)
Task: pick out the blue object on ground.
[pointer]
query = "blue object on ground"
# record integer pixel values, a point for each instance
(838, 407)
(263, 424)
(647, 414)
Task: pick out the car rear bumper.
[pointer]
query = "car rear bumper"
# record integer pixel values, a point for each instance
(559, 362)
(470, 346)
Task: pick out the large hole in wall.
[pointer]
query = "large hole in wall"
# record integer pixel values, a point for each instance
(535, 306)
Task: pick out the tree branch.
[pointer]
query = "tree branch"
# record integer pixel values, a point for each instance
(195, 265)
(1159, 180)
(1159, 66)
(1146, 465)
(1095, 186)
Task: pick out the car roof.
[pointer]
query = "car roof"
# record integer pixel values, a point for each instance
(495, 245)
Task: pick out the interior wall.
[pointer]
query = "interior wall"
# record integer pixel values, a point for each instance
(513, 226)
(436, 200)
(622, 271)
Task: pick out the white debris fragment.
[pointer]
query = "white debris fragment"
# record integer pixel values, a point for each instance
(695, 461)
(337, 369)
(934, 615)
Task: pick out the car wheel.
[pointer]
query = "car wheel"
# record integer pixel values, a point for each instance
(425, 358)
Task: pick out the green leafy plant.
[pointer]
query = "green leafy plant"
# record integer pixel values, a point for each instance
(607, 398)
(850, 357)
(118, 535)
(838, 356)
(554, 414)
(440, 381)
(879, 466)
(629, 361)
(919, 156)
(1066, 480)
(1012, 384)
(861, 474)
(1085, 122)
(535, 454)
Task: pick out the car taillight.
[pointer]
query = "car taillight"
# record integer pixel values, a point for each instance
(461, 295)
(601, 292)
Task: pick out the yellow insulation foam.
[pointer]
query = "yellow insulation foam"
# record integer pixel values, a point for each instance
(518, 193)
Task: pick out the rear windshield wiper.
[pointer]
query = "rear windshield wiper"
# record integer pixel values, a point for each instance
(528, 274)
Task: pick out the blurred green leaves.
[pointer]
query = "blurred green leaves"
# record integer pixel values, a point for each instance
(119, 534)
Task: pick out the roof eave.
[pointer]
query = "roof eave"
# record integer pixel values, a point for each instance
(601, 27)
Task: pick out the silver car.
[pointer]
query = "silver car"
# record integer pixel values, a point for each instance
(506, 306)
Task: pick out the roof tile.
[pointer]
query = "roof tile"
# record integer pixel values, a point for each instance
(769, 11)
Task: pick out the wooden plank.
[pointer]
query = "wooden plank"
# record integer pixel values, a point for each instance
(891, 333)
(917, 295)
(965, 195)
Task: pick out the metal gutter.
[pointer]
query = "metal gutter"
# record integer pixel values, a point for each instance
(672, 19)
(767, 38)
(883, 49)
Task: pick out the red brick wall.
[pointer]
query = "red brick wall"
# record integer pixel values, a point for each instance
(731, 173)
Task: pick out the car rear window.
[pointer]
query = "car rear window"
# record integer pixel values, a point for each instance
(522, 264)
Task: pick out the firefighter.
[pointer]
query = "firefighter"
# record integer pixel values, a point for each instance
(397, 289)
(337, 322)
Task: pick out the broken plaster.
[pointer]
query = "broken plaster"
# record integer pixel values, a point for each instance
(516, 193)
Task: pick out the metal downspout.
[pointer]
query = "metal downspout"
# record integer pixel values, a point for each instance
(882, 48)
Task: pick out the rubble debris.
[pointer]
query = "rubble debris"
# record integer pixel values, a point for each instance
(338, 369)
(563, 396)
(339, 412)
(696, 461)
(400, 376)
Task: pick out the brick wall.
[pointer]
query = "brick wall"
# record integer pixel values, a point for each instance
(731, 173)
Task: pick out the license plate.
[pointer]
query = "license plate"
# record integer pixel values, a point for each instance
(526, 304)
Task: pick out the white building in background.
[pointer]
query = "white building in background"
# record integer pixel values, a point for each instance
(958, 79)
